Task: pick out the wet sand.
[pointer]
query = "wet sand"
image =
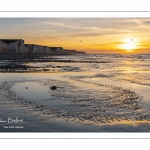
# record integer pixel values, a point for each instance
(78, 105)
(95, 93)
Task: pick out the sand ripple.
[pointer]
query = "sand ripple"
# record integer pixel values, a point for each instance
(103, 105)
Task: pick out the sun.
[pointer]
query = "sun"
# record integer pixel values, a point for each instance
(129, 44)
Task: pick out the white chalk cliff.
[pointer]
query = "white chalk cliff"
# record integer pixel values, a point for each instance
(18, 46)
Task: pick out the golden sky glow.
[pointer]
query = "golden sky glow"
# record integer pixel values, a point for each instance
(129, 44)
(93, 35)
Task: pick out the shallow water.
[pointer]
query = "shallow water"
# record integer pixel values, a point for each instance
(31, 90)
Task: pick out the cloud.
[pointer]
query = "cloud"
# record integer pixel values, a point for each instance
(61, 24)
(145, 45)
(120, 24)
(46, 31)
(112, 43)
(88, 27)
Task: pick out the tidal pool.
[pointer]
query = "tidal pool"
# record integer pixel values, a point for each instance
(31, 91)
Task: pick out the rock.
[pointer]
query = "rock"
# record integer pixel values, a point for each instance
(53, 87)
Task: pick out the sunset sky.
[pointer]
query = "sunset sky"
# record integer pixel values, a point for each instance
(93, 35)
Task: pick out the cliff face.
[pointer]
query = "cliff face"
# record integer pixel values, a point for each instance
(18, 46)
(47, 50)
(56, 49)
(3, 47)
(11, 46)
(31, 48)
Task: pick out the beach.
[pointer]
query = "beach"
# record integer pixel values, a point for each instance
(95, 93)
